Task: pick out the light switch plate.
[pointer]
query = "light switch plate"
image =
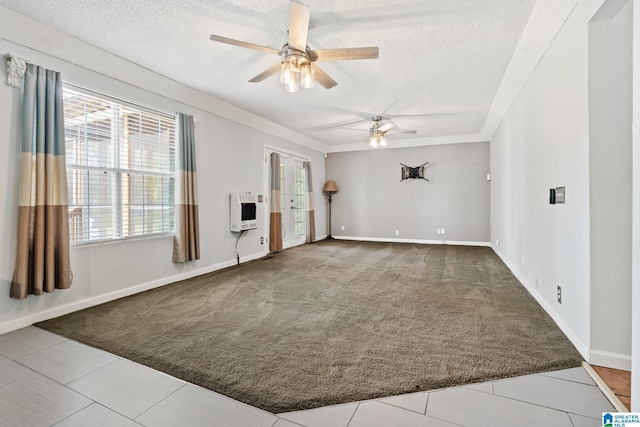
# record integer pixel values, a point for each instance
(560, 197)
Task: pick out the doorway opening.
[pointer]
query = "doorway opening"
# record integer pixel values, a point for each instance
(292, 196)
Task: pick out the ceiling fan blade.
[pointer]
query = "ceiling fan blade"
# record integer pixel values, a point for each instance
(364, 117)
(343, 54)
(384, 128)
(299, 15)
(266, 73)
(322, 77)
(338, 125)
(234, 42)
(428, 115)
(401, 131)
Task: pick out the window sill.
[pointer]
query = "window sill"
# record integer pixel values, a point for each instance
(121, 240)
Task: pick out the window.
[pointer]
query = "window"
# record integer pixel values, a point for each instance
(120, 168)
(301, 227)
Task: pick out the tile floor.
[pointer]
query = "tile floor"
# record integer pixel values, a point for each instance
(47, 380)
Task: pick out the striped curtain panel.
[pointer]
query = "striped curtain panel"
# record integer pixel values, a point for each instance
(186, 240)
(42, 256)
(308, 194)
(275, 219)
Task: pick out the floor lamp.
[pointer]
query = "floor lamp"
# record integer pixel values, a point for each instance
(330, 189)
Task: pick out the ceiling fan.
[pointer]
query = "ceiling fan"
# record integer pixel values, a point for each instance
(378, 133)
(296, 65)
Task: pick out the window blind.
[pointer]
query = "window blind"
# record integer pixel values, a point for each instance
(120, 168)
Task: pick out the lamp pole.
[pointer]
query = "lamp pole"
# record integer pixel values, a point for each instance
(329, 235)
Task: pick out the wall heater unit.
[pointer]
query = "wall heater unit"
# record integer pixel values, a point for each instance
(243, 212)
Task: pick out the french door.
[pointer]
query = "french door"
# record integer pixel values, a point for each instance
(292, 200)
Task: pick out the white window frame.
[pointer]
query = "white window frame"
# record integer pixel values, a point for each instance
(118, 221)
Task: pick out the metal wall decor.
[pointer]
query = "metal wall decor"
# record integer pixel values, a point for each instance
(409, 172)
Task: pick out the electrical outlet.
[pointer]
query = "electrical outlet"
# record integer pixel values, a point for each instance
(559, 294)
(535, 282)
(262, 240)
(343, 228)
(442, 231)
(437, 231)
(397, 232)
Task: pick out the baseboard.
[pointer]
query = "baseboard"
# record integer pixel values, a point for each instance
(40, 316)
(417, 241)
(582, 348)
(610, 360)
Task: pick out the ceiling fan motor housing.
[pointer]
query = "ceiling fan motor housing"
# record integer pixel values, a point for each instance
(294, 56)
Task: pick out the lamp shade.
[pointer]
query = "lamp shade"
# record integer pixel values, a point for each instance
(330, 187)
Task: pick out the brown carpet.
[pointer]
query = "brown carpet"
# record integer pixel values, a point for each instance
(333, 322)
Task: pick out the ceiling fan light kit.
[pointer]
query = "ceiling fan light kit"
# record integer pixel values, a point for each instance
(377, 138)
(378, 134)
(295, 70)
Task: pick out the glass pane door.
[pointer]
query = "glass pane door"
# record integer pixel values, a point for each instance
(292, 202)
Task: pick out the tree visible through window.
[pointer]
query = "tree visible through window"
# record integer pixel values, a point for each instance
(120, 167)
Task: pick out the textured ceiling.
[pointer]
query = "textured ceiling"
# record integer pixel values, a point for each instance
(441, 60)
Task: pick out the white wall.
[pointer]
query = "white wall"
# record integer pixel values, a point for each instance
(543, 142)
(230, 158)
(635, 251)
(610, 90)
(373, 202)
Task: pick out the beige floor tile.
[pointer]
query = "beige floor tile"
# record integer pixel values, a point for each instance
(11, 371)
(580, 421)
(554, 393)
(126, 387)
(472, 408)
(285, 423)
(96, 415)
(329, 416)
(578, 375)
(483, 387)
(67, 361)
(416, 402)
(377, 414)
(35, 401)
(25, 341)
(197, 407)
